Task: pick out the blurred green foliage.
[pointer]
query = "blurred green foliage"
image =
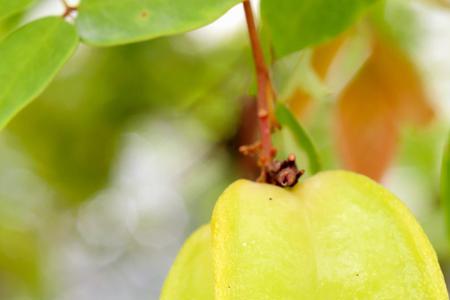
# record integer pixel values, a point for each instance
(85, 111)
(69, 147)
(9, 8)
(296, 25)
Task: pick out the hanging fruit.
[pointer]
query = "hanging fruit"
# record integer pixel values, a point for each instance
(338, 235)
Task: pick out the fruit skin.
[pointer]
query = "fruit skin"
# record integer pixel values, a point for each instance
(368, 244)
(338, 235)
(261, 244)
(191, 276)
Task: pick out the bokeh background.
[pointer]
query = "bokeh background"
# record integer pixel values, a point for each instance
(124, 155)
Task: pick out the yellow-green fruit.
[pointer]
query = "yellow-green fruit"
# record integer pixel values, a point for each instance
(336, 236)
(191, 276)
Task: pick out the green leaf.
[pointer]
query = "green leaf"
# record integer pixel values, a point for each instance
(7, 25)
(286, 118)
(295, 24)
(106, 22)
(445, 185)
(11, 7)
(30, 58)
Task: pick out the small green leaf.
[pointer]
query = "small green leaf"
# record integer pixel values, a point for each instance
(106, 22)
(11, 7)
(30, 58)
(286, 118)
(445, 185)
(295, 24)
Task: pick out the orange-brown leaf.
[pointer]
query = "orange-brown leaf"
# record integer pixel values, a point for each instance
(366, 130)
(385, 94)
(324, 55)
(401, 80)
(299, 102)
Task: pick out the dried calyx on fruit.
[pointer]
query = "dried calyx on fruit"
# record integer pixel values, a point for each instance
(338, 235)
(283, 173)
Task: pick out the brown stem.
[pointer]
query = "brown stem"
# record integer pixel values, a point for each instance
(264, 92)
(68, 9)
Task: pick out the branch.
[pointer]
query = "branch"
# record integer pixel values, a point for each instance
(68, 9)
(267, 151)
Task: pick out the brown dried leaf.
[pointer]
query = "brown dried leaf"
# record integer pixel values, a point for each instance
(366, 129)
(324, 55)
(400, 79)
(299, 102)
(386, 93)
